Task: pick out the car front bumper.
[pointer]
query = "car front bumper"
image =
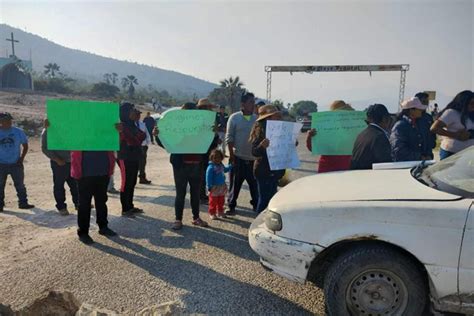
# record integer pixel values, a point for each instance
(284, 256)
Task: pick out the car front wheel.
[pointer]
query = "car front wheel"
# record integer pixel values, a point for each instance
(374, 280)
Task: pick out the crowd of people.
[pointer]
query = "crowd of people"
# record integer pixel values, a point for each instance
(242, 135)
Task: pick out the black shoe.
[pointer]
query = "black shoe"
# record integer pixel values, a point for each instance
(107, 232)
(128, 213)
(137, 210)
(86, 239)
(144, 181)
(25, 206)
(231, 211)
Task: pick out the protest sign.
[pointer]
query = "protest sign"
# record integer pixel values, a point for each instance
(282, 150)
(82, 125)
(186, 131)
(336, 131)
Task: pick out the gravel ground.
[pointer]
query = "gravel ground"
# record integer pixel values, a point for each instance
(209, 271)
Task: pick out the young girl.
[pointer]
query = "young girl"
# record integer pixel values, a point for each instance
(215, 179)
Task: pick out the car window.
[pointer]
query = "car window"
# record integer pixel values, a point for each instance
(454, 175)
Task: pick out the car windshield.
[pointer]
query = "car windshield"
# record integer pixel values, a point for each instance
(453, 175)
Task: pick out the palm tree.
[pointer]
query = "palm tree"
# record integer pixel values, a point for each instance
(114, 78)
(51, 69)
(129, 81)
(108, 78)
(232, 86)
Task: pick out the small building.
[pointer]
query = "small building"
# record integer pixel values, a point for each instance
(15, 73)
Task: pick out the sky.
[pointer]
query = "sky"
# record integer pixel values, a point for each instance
(213, 40)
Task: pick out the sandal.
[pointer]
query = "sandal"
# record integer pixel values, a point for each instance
(177, 225)
(199, 222)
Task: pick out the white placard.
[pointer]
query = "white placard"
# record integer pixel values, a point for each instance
(282, 150)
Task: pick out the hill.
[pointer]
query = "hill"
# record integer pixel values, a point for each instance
(91, 67)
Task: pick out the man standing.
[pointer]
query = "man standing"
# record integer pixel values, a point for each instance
(424, 124)
(239, 127)
(11, 160)
(372, 145)
(221, 121)
(60, 161)
(142, 162)
(150, 124)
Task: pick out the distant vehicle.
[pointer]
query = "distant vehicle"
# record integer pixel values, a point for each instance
(379, 242)
(306, 120)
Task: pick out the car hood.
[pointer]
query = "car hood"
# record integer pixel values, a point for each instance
(356, 185)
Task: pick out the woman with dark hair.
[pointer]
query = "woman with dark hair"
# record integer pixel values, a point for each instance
(456, 124)
(267, 179)
(406, 140)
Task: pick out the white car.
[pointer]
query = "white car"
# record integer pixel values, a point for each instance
(379, 242)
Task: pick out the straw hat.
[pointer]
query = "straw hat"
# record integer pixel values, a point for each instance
(340, 105)
(204, 103)
(265, 111)
(413, 103)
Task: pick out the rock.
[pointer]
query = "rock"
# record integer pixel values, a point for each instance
(90, 310)
(51, 303)
(5, 310)
(165, 309)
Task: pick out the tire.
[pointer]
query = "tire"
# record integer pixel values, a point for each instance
(373, 280)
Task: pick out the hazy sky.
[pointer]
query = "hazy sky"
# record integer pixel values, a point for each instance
(216, 39)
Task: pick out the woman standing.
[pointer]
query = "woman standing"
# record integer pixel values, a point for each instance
(331, 163)
(267, 179)
(456, 124)
(406, 140)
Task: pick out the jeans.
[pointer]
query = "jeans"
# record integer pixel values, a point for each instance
(61, 175)
(443, 154)
(267, 188)
(17, 172)
(129, 173)
(242, 170)
(92, 187)
(187, 173)
(142, 163)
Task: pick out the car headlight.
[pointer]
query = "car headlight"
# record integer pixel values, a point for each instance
(273, 221)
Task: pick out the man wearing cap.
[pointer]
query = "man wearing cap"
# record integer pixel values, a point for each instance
(372, 145)
(239, 127)
(12, 139)
(424, 124)
(405, 139)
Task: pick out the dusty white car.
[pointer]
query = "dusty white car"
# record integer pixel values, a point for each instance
(379, 242)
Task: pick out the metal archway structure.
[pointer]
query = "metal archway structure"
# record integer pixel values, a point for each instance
(403, 68)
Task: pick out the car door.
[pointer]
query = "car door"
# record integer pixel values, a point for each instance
(466, 264)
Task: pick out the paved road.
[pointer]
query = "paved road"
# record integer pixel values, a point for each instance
(211, 271)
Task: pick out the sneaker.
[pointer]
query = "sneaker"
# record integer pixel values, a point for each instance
(144, 181)
(199, 222)
(107, 232)
(86, 239)
(221, 215)
(213, 217)
(128, 214)
(137, 210)
(113, 191)
(25, 206)
(63, 212)
(231, 211)
(177, 225)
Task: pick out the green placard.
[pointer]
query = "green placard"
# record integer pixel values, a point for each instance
(187, 131)
(336, 131)
(82, 125)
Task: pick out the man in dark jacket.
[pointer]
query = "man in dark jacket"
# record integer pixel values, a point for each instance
(150, 124)
(424, 124)
(373, 145)
(131, 138)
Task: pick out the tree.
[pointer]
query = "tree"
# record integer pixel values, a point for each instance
(129, 83)
(105, 90)
(302, 108)
(278, 103)
(231, 88)
(51, 70)
(108, 78)
(114, 78)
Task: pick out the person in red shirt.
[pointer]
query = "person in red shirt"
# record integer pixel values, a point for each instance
(331, 163)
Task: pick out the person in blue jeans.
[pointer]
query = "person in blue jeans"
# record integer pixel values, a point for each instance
(267, 179)
(13, 150)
